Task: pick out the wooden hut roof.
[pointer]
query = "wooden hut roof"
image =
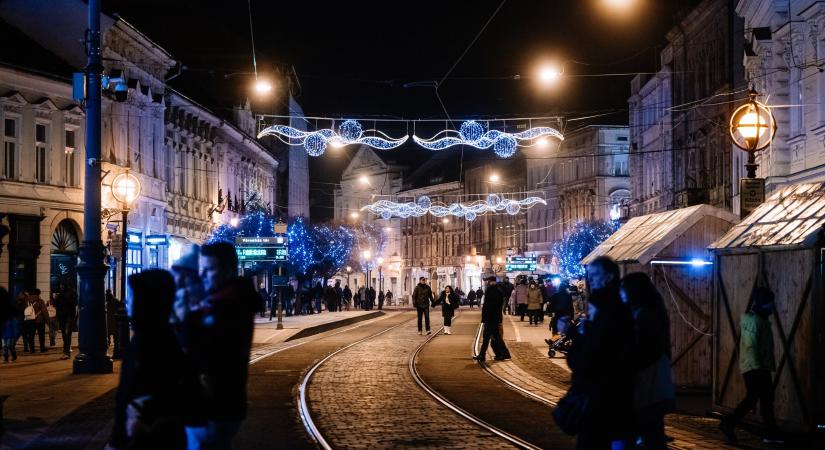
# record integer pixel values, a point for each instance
(791, 216)
(643, 237)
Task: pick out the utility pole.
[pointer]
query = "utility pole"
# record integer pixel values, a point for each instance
(92, 356)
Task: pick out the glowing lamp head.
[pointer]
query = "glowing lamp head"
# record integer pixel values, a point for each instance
(549, 74)
(126, 188)
(445, 220)
(263, 87)
(233, 221)
(380, 260)
(349, 269)
(542, 142)
(366, 254)
(353, 215)
(364, 179)
(752, 125)
(494, 178)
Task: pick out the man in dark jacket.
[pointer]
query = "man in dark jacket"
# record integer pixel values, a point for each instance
(561, 305)
(66, 306)
(219, 334)
(479, 295)
(507, 288)
(422, 297)
(331, 298)
(491, 318)
(471, 298)
(371, 298)
(599, 359)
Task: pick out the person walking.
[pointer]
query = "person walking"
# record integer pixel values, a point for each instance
(479, 296)
(422, 297)
(66, 317)
(491, 319)
(371, 298)
(534, 303)
(380, 300)
(111, 310)
(148, 402)
(219, 334)
(51, 319)
(507, 288)
(449, 302)
(36, 318)
(561, 306)
(264, 296)
(362, 297)
(339, 296)
(330, 298)
(26, 316)
(471, 298)
(654, 392)
(756, 364)
(318, 294)
(289, 299)
(518, 298)
(347, 294)
(9, 326)
(388, 297)
(188, 290)
(601, 377)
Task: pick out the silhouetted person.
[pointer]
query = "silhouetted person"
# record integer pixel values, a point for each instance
(756, 363)
(599, 359)
(491, 318)
(220, 336)
(654, 393)
(148, 404)
(66, 304)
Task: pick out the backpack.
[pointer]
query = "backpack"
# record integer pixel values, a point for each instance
(28, 313)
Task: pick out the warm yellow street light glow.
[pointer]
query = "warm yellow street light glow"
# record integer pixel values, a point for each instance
(380, 260)
(445, 220)
(364, 180)
(262, 86)
(126, 188)
(233, 221)
(349, 269)
(751, 125)
(618, 4)
(494, 178)
(542, 142)
(353, 215)
(549, 74)
(366, 254)
(336, 143)
(387, 229)
(498, 259)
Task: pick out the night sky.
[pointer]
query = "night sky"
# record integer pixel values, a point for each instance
(354, 58)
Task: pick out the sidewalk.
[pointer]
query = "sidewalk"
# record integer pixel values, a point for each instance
(49, 407)
(549, 378)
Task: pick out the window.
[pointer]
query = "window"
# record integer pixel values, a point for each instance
(70, 158)
(620, 168)
(10, 148)
(40, 146)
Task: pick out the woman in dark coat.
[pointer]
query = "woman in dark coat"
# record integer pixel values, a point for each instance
(147, 400)
(449, 302)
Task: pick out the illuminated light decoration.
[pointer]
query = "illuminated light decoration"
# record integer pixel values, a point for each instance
(472, 133)
(315, 142)
(424, 202)
(582, 239)
(695, 262)
(469, 210)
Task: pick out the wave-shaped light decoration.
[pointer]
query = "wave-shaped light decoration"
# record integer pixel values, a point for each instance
(494, 203)
(315, 142)
(472, 133)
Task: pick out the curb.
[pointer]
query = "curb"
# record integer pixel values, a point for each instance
(317, 329)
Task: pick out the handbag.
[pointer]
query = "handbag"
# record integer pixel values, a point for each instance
(28, 313)
(569, 413)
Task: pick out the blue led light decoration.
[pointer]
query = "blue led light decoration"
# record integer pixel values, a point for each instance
(472, 133)
(494, 204)
(582, 239)
(315, 142)
(424, 202)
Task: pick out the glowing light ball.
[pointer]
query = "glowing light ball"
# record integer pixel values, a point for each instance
(471, 131)
(350, 130)
(315, 144)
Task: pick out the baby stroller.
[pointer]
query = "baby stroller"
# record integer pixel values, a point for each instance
(562, 344)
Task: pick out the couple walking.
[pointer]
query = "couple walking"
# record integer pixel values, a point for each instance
(422, 299)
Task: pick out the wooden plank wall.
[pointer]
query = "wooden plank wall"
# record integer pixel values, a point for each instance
(788, 274)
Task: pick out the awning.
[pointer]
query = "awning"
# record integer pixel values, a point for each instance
(791, 216)
(643, 237)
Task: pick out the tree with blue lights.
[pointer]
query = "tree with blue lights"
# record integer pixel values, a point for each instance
(582, 239)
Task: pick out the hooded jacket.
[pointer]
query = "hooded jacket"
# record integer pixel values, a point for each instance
(534, 298)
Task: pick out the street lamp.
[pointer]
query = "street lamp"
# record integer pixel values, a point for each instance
(263, 87)
(494, 178)
(125, 189)
(367, 255)
(752, 128)
(349, 270)
(549, 74)
(380, 261)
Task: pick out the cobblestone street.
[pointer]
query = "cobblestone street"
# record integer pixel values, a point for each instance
(365, 397)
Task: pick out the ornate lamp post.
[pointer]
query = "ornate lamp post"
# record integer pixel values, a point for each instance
(125, 189)
(349, 270)
(752, 128)
(380, 262)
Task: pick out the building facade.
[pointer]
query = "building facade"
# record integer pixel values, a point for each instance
(592, 174)
(786, 44)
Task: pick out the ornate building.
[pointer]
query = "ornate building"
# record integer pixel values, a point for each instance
(786, 47)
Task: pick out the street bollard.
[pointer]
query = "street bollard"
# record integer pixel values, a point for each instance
(280, 315)
(121, 333)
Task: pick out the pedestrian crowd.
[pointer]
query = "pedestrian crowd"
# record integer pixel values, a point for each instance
(184, 372)
(35, 320)
(313, 299)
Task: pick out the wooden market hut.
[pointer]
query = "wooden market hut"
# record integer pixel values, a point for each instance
(671, 247)
(780, 245)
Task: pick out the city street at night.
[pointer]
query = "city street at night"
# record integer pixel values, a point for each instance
(490, 224)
